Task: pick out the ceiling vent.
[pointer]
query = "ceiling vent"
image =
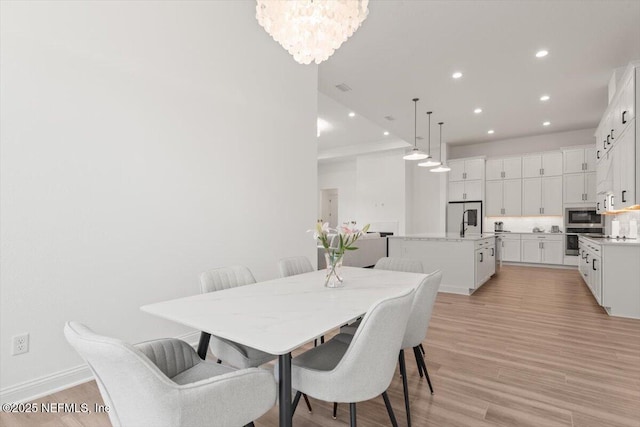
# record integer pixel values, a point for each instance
(343, 87)
(390, 118)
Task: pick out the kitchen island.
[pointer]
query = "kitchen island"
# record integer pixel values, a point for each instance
(466, 262)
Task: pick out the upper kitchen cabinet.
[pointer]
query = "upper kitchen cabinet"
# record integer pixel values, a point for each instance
(579, 160)
(463, 191)
(466, 169)
(544, 164)
(542, 196)
(508, 168)
(504, 198)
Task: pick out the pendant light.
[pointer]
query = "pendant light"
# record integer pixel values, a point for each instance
(415, 153)
(429, 161)
(443, 167)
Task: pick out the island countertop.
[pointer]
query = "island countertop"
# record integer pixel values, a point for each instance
(445, 236)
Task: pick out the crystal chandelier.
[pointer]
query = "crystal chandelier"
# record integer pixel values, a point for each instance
(311, 30)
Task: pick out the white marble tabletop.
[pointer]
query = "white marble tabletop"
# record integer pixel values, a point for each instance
(280, 315)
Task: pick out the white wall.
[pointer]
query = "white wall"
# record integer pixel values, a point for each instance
(428, 201)
(371, 189)
(340, 175)
(529, 144)
(142, 143)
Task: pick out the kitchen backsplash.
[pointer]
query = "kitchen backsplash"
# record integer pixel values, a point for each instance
(524, 224)
(624, 218)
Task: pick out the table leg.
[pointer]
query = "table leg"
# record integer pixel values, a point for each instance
(284, 389)
(203, 345)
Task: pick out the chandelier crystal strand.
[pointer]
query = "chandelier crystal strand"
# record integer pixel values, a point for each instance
(311, 30)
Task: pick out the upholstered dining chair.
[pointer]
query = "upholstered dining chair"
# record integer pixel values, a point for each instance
(415, 332)
(163, 383)
(293, 266)
(229, 352)
(363, 368)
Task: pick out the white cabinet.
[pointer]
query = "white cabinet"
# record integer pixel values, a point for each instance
(485, 264)
(466, 170)
(580, 188)
(460, 191)
(510, 247)
(508, 168)
(624, 171)
(579, 160)
(544, 164)
(504, 198)
(545, 249)
(542, 196)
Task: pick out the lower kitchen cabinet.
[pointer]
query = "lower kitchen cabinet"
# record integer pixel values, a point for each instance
(510, 245)
(542, 249)
(610, 271)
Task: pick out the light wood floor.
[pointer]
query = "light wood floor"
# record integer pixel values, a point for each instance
(530, 348)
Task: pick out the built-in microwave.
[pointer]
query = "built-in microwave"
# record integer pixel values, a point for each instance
(582, 218)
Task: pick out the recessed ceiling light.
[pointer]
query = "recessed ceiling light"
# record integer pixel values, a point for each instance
(491, 131)
(386, 133)
(545, 98)
(541, 53)
(478, 110)
(352, 114)
(546, 123)
(456, 75)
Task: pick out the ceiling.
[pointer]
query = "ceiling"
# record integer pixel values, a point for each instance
(408, 49)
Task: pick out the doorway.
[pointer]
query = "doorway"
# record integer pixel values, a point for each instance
(329, 206)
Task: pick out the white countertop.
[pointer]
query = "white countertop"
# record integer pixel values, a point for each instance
(451, 237)
(528, 232)
(620, 242)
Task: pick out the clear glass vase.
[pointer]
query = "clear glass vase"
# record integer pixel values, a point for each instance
(334, 264)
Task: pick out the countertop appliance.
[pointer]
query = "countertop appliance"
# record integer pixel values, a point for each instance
(582, 218)
(498, 226)
(571, 247)
(454, 217)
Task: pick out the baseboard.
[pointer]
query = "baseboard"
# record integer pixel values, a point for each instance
(58, 381)
(448, 289)
(526, 264)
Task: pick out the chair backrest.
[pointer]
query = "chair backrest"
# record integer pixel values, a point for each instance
(294, 266)
(135, 390)
(399, 264)
(367, 367)
(225, 278)
(421, 310)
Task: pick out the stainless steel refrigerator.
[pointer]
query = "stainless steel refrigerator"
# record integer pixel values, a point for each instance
(454, 217)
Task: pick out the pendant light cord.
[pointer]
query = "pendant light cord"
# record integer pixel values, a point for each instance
(429, 115)
(440, 123)
(415, 122)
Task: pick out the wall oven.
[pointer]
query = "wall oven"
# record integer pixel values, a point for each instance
(580, 221)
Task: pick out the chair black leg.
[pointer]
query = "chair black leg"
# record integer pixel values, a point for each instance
(306, 400)
(418, 356)
(352, 413)
(426, 373)
(335, 410)
(387, 403)
(422, 349)
(219, 361)
(250, 425)
(296, 399)
(405, 387)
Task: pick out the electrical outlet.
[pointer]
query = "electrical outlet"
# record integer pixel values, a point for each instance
(20, 344)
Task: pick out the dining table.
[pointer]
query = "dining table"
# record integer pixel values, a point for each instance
(280, 315)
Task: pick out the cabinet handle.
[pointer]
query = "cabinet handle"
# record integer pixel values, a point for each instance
(605, 203)
(481, 256)
(493, 252)
(598, 155)
(593, 264)
(598, 206)
(604, 144)
(612, 134)
(624, 121)
(613, 198)
(623, 193)
(608, 142)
